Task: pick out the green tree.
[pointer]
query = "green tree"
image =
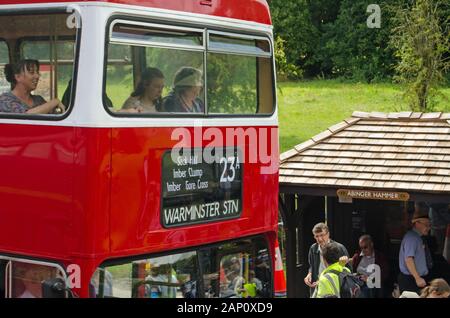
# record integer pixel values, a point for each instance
(285, 70)
(350, 49)
(299, 37)
(422, 47)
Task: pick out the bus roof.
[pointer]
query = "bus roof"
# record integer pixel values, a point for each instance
(250, 10)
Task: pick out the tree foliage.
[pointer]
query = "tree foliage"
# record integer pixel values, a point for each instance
(351, 49)
(422, 46)
(292, 23)
(330, 38)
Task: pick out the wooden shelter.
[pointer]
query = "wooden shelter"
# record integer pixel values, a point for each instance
(362, 175)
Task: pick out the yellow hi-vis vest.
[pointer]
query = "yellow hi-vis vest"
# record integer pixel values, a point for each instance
(328, 284)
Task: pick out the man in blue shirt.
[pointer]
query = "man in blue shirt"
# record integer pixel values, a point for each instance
(413, 259)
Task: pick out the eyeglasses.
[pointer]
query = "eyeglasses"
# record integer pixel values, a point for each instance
(320, 235)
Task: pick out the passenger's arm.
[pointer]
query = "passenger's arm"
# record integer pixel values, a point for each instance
(47, 107)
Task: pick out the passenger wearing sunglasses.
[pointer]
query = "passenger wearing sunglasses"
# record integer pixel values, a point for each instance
(371, 266)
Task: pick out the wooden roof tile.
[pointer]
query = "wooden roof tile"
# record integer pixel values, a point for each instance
(288, 154)
(338, 127)
(431, 115)
(305, 145)
(398, 150)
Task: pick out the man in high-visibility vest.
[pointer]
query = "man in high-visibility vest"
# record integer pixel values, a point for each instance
(328, 285)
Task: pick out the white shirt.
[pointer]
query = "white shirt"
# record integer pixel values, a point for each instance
(365, 262)
(321, 264)
(26, 294)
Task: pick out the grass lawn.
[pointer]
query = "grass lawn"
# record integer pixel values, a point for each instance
(308, 108)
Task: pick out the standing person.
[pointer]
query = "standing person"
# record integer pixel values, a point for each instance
(316, 264)
(24, 77)
(414, 262)
(328, 285)
(184, 97)
(147, 95)
(365, 257)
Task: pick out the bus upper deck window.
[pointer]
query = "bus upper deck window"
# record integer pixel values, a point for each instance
(49, 40)
(159, 70)
(153, 69)
(240, 79)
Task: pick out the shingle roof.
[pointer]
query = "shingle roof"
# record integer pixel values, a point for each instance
(402, 151)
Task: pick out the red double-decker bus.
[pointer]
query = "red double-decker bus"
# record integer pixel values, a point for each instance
(157, 177)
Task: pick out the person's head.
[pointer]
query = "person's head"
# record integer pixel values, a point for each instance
(32, 276)
(438, 288)
(366, 244)
(188, 82)
(24, 73)
(330, 253)
(420, 219)
(321, 234)
(151, 84)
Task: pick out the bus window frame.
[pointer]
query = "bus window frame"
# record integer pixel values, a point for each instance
(197, 249)
(78, 35)
(2, 40)
(20, 42)
(34, 261)
(158, 27)
(27, 39)
(268, 55)
(163, 25)
(238, 36)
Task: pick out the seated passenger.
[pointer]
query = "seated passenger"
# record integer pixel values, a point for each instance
(24, 77)
(28, 278)
(187, 86)
(147, 95)
(161, 274)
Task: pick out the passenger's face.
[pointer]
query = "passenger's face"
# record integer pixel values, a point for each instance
(322, 238)
(423, 226)
(193, 92)
(435, 294)
(29, 78)
(366, 247)
(155, 88)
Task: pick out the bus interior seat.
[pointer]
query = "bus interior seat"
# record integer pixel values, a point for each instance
(68, 94)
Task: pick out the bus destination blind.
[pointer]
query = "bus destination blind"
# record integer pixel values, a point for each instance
(201, 185)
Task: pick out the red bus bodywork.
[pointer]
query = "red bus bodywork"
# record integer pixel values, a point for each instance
(250, 10)
(83, 195)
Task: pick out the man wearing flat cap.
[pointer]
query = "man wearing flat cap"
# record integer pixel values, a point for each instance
(413, 259)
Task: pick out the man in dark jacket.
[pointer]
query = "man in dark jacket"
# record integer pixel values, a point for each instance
(316, 264)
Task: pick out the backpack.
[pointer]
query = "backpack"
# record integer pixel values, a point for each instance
(349, 285)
